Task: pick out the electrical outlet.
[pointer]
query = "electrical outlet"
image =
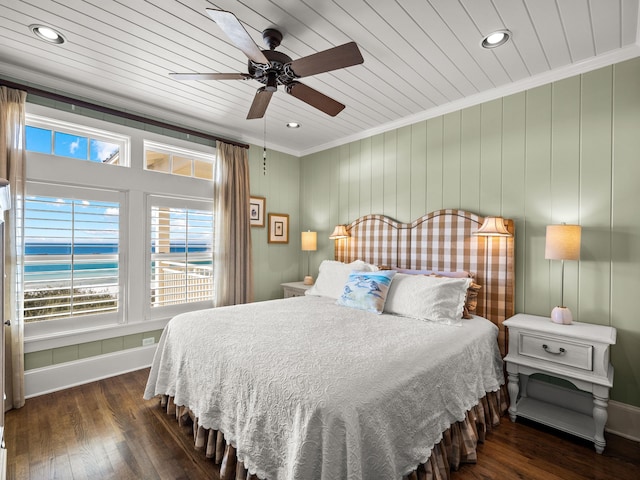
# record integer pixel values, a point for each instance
(148, 341)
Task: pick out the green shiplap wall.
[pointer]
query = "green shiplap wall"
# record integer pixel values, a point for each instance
(279, 183)
(564, 152)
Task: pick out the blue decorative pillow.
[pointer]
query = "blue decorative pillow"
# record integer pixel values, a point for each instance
(367, 290)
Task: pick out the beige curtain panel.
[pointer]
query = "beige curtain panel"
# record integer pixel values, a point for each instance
(233, 275)
(12, 168)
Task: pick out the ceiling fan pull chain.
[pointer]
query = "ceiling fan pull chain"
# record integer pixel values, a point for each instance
(264, 150)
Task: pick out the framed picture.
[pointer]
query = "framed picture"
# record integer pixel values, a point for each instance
(278, 228)
(256, 211)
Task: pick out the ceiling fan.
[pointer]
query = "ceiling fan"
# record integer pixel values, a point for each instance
(273, 68)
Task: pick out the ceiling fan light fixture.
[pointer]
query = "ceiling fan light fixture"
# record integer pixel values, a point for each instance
(272, 82)
(495, 39)
(47, 34)
(273, 68)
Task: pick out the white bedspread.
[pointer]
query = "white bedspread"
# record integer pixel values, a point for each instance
(306, 389)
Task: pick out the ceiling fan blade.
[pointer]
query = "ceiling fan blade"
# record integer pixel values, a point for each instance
(332, 59)
(314, 98)
(260, 103)
(232, 27)
(210, 76)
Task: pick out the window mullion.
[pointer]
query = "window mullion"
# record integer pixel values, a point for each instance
(73, 258)
(186, 255)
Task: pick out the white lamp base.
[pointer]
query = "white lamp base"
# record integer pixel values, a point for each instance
(308, 280)
(561, 315)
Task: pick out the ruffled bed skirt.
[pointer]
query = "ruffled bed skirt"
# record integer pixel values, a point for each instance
(458, 444)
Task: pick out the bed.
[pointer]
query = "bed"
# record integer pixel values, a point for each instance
(306, 387)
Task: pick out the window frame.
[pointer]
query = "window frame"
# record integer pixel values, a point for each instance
(135, 184)
(174, 151)
(153, 200)
(85, 322)
(124, 141)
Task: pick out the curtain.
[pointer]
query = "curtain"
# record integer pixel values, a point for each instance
(233, 273)
(12, 167)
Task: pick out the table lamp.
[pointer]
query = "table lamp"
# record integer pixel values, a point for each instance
(340, 231)
(562, 243)
(309, 244)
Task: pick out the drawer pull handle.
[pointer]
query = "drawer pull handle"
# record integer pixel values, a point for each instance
(559, 352)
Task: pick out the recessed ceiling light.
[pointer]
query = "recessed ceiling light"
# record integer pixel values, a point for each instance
(47, 34)
(293, 125)
(495, 39)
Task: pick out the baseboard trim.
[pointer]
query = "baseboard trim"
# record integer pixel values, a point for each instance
(40, 381)
(624, 420)
(3, 463)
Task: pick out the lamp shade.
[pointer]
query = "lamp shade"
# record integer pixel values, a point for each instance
(309, 241)
(5, 195)
(493, 227)
(339, 232)
(562, 242)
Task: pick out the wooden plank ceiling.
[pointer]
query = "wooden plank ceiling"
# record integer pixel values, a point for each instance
(421, 57)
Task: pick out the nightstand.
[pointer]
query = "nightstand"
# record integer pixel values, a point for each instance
(577, 353)
(294, 289)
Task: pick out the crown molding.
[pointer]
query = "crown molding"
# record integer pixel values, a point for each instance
(144, 109)
(528, 83)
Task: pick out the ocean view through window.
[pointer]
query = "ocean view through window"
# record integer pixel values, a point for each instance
(71, 262)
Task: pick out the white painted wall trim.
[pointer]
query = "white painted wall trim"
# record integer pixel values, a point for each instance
(70, 374)
(624, 420)
(3, 463)
(38, 344)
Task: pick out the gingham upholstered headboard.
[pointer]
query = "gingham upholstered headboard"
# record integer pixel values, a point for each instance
(441, 240)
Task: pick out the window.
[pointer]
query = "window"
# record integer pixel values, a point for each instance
(181, 252)
(38, 139)
(176, 161)
(71, 263)
(73, 141)
(88, 266)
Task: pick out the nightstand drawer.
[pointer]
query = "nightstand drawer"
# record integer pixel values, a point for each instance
(549, 349)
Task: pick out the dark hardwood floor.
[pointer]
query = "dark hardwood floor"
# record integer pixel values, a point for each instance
(104, 430)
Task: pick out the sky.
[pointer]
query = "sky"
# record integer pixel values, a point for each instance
(67, 145)
(54, 220)
(49, 220)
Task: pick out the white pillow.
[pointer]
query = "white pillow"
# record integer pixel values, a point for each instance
(436, 299)
(333, 275)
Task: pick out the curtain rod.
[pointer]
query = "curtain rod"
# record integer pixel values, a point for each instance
(112, 111)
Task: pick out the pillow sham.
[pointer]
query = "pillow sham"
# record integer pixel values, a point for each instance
(367, 290)
(437, 299)
(460, 274)
(332, 275)
(471, 298)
